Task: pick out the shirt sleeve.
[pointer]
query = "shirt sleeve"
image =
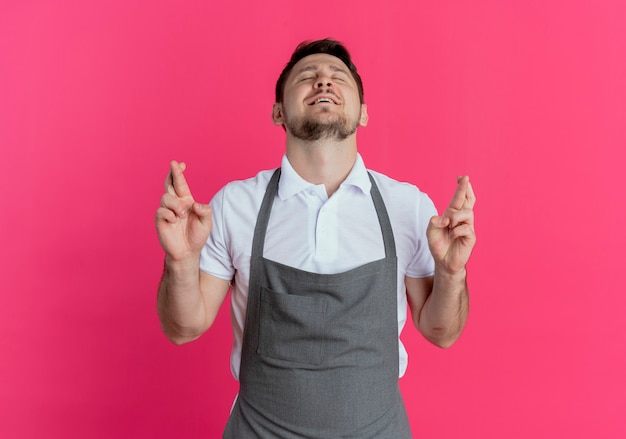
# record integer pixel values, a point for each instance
(422, 263)
(215, 258)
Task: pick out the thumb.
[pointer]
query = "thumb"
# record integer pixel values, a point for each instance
(439, 222)
(204, 213)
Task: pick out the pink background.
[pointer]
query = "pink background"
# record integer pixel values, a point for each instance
(529, 98)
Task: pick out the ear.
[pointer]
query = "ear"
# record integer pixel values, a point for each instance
(364, 117)
(277, 114)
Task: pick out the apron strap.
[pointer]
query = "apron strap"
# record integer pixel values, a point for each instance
(383, 219)
(264, 215)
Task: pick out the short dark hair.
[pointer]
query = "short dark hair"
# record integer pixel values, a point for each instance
(327, 46)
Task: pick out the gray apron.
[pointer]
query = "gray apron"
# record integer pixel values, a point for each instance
(320, 351)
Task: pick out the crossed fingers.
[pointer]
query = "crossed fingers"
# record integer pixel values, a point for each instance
(175, 183)
(460, 211)
(464, 197)
(177, 197)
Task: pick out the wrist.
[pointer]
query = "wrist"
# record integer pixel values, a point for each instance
(182, 265)
(452, 274)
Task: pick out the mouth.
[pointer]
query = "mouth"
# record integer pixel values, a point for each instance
(324, 99)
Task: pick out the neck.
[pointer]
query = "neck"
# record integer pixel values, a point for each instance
(324, 161)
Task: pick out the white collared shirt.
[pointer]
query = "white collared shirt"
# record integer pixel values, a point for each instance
(312, 232)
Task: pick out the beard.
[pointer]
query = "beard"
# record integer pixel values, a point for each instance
(337, 127)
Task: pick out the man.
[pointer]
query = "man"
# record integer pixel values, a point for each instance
(324, 257)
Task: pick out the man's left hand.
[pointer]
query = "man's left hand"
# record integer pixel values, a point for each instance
(451, 236)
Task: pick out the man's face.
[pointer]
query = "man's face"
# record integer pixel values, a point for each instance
(320, 100)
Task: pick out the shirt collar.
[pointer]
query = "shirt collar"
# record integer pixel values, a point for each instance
(358, 176)
(291, 183)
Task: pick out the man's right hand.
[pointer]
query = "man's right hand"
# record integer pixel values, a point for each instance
(182, 224)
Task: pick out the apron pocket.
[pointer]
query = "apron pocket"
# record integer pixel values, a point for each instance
(291, 327)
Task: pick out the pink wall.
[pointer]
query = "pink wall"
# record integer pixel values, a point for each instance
(529, 98)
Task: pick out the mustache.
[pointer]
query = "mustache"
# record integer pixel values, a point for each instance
(327, 91)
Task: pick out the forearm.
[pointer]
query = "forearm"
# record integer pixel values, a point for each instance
(445, 311)
(179, 301)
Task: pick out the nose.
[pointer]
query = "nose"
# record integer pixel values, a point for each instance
(323, 82)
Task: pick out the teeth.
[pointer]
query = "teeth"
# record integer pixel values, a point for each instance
(322, 100)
